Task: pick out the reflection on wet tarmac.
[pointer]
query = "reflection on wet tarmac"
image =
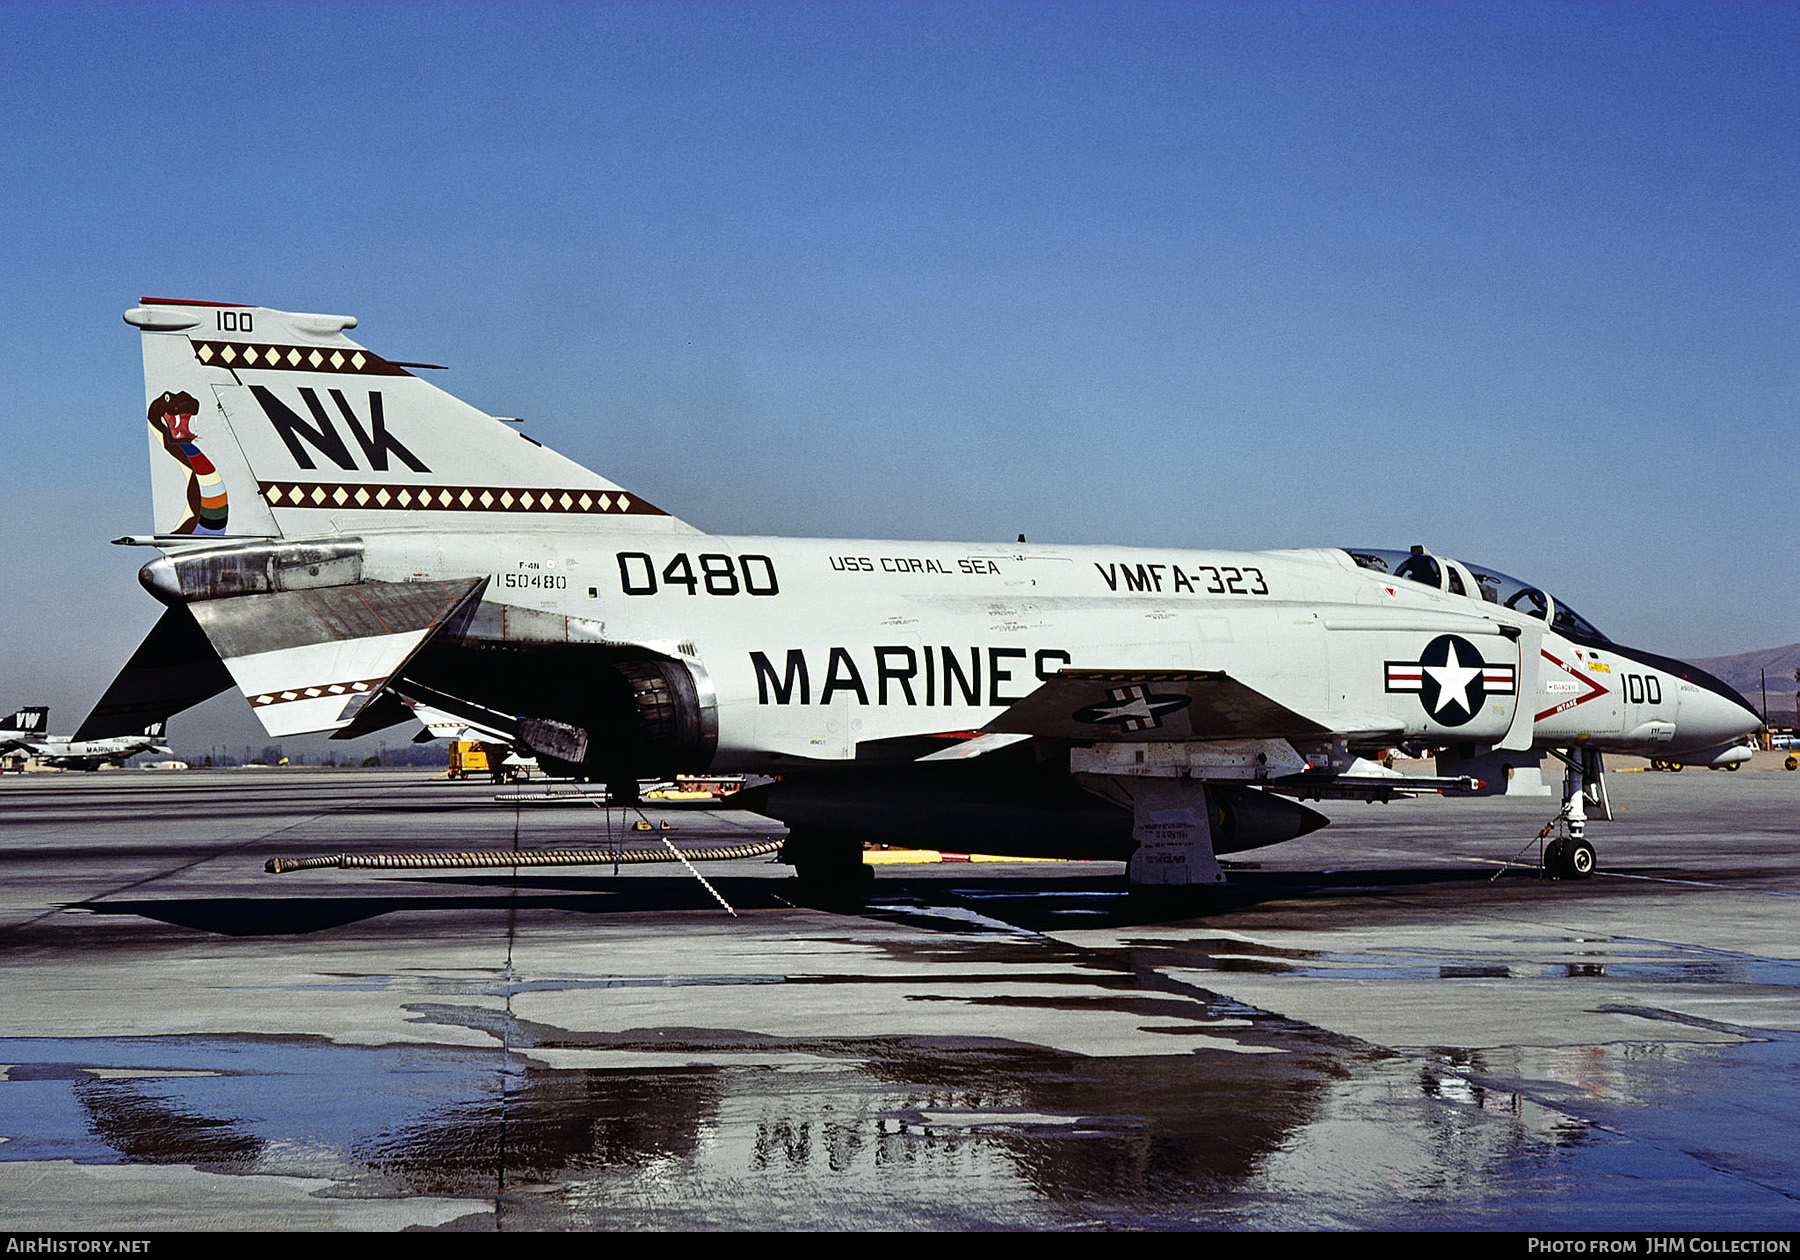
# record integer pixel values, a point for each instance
(147, 1128)
(1621, 958)
(1036, 1136)
(1027, 1137)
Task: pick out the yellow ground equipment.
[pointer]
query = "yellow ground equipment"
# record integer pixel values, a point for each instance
(469, 757)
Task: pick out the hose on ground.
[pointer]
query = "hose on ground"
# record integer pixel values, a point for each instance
(508, 857)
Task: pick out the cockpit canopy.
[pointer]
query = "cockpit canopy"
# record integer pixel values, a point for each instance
(1444, 574)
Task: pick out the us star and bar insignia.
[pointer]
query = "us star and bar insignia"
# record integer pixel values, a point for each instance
(1132, 708)
(1451, 679)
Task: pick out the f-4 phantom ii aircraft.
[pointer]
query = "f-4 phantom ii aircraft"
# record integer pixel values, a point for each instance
(23, 733)
(341, 540)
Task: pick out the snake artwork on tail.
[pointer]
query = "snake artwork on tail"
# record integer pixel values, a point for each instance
(172, 415)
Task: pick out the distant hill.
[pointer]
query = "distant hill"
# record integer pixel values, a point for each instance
(1744, 672)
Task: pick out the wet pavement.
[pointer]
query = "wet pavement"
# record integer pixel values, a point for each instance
(1367, 1030)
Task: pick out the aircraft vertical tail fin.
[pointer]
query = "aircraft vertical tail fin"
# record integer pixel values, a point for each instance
(274, 423)
(31, 720)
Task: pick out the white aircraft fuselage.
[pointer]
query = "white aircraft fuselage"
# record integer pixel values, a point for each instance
(814, 647)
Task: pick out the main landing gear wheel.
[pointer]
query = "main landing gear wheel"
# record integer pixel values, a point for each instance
(1569, 859)
(834, 886)
(828, 869)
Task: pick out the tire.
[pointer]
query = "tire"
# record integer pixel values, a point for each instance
(1569, 859)
(833, 886)
(1578, 858)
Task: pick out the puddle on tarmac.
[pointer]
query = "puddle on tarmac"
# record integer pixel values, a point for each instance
(905, 1132)
(913, 1133)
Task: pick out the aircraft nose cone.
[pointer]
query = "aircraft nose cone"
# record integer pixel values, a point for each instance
(1707, 719)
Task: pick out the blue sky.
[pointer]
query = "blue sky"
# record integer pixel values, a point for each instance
(1517, 282)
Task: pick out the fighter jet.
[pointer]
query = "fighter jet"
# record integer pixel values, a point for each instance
(22, 734)
(343, 542)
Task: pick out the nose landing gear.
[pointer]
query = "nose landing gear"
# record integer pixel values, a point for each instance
(1569, 857)
(1571, 854)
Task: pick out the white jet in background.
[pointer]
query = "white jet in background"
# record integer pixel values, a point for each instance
(23, 734)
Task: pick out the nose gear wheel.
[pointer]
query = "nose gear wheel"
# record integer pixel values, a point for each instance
(1569, 857)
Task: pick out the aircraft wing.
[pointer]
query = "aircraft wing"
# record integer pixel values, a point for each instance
(1098, 705)
(980, 746)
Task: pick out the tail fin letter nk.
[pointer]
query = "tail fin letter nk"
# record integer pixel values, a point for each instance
(323, 437)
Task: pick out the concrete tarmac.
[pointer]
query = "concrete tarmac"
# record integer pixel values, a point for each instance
(1367, 1030)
